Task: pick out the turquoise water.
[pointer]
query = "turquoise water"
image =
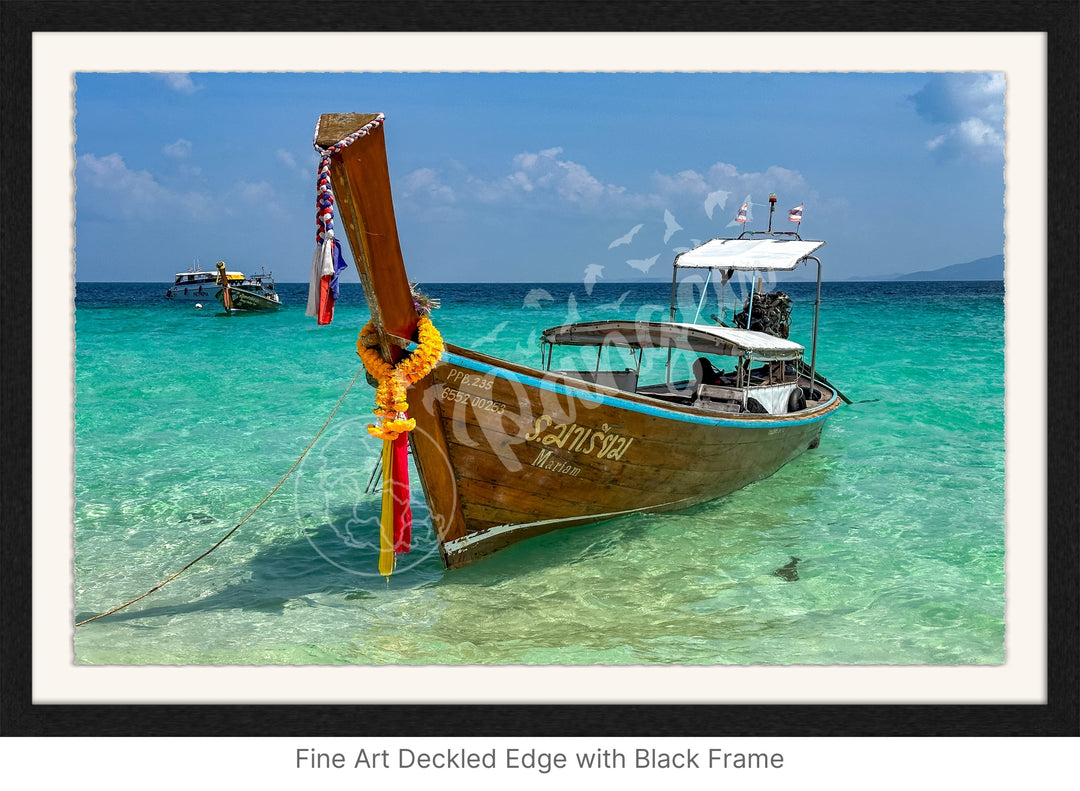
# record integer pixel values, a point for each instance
(185, 419)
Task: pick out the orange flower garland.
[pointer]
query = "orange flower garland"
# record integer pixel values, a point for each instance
(391, 402)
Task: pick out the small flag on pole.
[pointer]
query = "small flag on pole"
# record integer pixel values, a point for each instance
(741, 216)
(795, 215)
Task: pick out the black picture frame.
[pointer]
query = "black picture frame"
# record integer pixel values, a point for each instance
(20, 716)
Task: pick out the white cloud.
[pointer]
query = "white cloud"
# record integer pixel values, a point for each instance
(180, 82)
(687, 182)
(710, 190)
(425, 183)
(260, 193)
(722, 170)
(254, 191)
(520, 179)
(131, 193)
(545, 171)
(304, 170)
(976, 132)
(546, 178)
(112, 174)
(543, 175)
(286, 157)
(971, 108)
(181, 149)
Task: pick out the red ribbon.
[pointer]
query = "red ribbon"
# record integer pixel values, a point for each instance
(400, 482)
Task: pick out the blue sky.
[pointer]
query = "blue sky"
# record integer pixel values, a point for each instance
(534, 177)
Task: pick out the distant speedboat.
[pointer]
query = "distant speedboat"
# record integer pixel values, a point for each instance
(197, 284)
(256, 292)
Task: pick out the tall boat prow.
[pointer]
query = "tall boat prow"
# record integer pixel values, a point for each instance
(636, 416)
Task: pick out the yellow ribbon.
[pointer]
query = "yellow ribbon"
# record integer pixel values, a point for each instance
(386, 524)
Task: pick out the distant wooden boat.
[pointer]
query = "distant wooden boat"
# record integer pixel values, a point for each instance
(256, 292)
(507, 452)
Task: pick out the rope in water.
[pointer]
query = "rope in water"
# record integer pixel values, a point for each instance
(226, 537)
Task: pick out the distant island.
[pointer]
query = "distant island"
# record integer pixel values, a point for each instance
(992, 268)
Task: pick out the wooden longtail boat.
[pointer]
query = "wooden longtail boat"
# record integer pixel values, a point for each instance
(507, 452)
(257, 292)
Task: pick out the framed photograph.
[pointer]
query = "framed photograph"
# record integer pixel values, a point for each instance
(242, 230)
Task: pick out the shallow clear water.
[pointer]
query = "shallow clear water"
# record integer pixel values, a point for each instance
(185, 419)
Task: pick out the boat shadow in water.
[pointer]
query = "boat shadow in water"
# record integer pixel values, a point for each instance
(334, 562)
(570, 546)
(321, 566)
(780, 529)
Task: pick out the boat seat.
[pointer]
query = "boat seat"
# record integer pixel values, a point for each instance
(721, 398)
(721, 406)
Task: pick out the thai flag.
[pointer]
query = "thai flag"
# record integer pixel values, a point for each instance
(323, 288)
(795, 215)
(741, 216)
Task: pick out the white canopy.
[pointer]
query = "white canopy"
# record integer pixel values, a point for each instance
(748, 254)
(704, 339)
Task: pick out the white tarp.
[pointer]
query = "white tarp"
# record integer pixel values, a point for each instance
(706, 339)
(773, 397)
(760, 345)
(758, 255)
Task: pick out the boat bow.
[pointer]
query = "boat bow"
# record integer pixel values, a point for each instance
(506, 451)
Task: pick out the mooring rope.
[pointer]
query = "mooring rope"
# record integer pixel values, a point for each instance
(226, 537)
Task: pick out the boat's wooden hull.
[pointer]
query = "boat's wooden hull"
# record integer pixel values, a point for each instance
(248, 300)
(526, 452)
(507, 452)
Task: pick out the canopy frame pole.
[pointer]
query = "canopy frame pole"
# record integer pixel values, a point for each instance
(750, 307)
(674, 280)
(704, 293)
(817, 307)
(725, 278)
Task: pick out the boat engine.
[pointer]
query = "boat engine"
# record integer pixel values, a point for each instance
(769, 313)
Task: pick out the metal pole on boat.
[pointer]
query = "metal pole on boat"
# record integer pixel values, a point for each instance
(817, 307)
(704, 293)
(755, 282)
(674, 279)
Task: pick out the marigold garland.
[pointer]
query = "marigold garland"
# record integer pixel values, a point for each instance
(391, 402)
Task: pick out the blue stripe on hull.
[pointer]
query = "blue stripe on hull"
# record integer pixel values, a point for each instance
(601, 398)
